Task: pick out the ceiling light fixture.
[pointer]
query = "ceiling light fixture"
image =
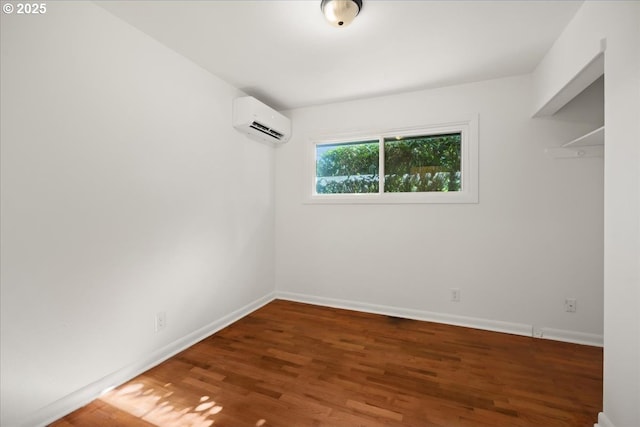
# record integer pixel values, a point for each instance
(340, 13)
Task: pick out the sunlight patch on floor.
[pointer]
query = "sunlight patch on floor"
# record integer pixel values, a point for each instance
(156, 406)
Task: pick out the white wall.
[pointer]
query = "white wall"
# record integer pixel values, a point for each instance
(619, 24)
(534, 239)
(125, 192)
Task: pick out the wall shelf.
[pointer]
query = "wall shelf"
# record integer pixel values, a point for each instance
(582, 79)
(588, 145)
(593, 138)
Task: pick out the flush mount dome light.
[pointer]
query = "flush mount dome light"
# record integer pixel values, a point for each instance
(340, 13)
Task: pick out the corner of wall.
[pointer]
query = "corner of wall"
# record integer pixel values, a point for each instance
(603, 421)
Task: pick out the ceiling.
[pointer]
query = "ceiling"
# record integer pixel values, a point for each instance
(287, 55)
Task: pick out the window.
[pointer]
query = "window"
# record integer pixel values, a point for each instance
(348, 168)
(436, 164)
(422, 163)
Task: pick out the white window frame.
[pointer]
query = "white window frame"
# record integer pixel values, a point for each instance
(468, 168)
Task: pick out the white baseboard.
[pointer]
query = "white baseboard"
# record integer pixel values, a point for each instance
(572, 336)
(83, 396)
(603, 421)
(449, 319)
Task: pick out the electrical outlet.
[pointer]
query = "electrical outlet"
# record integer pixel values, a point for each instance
(161, 321)
(455, 295)
(570, 305)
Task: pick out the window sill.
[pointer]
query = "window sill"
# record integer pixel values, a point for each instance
(394, 198)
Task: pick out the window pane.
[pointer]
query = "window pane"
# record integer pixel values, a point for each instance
(422, 163)
(347, 168)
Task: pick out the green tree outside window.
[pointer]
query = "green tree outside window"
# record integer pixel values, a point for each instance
(429, 163)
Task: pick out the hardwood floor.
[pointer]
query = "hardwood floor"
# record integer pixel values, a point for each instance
(292, 364)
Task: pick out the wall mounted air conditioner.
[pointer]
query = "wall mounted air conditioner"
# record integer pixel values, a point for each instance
(259, 121)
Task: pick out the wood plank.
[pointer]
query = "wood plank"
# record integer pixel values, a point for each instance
(297, 364)
(373, 410)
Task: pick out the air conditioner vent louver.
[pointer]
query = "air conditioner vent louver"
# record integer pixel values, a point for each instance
(259, 121)
(264, 129)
